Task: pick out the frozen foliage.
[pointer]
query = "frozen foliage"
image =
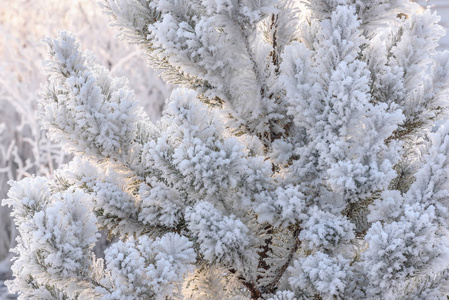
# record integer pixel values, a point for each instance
(403, 249)
(24, 147)
(218, 235)
(149, 269)
(442, 8)
(320, 274)
(299, 159)
(103, 118)
(58, 231)
(326, 230)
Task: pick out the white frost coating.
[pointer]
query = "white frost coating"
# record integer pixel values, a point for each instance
(69, 227)
(161, 205)
(85, 105)
(109, 186)
(329, 96)
(320, 273)
(387, 207)
(210, 162)
(402, 249)
(283, 207)
(192, 153)
(282, 151)
(271, 161)
(431, 186)
(284, 295)
(58, 233)
(223, 238)
(146, 268)
(25, 150)
(326, 230)
(28, 196)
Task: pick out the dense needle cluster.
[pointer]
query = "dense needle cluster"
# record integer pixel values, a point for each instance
(302, 158)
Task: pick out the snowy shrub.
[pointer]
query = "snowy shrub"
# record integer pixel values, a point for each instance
(299, 159)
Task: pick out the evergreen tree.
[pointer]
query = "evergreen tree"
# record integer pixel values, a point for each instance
(303, 157)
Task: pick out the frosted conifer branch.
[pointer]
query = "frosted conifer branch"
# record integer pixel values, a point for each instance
(281, 164)
(84, 106)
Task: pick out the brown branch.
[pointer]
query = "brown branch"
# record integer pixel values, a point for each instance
(404, 130)
(255, 293)
(265, 250)
(274, 44)
(271, 288)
